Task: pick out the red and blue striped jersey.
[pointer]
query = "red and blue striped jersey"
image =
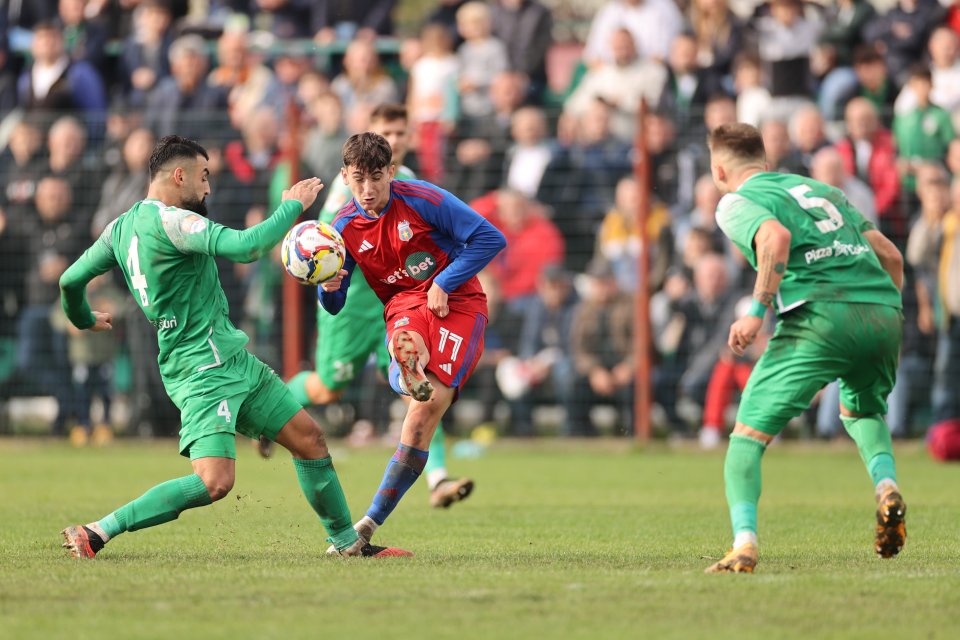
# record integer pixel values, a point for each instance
(424, 235)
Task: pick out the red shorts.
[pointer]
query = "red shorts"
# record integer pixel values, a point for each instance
(455, 342)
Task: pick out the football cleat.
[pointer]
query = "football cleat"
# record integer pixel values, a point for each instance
(363, 549)
(264, 447)
(411, 373)
(740, 560)
(891, 524)
(450, 491)
(81, 542)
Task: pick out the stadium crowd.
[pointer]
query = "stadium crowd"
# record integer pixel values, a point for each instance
(527, 110)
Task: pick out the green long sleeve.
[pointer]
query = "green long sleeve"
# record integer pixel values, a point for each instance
(250, 244)
(96, 260)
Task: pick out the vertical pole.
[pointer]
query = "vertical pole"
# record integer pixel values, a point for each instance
(641, 297)
(292, 293)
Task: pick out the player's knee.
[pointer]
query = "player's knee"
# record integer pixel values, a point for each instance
(309, 443)
(218, 485)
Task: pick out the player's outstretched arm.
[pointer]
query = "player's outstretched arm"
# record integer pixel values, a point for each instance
(96, 260)
(890, 257)
(251, 244)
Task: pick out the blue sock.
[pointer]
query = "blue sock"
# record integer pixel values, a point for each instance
(402, 471)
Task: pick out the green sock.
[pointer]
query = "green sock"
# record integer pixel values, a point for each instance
(438, 452)
(741, 474)
(320, 484)
(298, 387)
(876, 448)
(160, 504)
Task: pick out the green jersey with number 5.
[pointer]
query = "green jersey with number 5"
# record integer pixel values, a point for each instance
(830, 259)
(164, 253)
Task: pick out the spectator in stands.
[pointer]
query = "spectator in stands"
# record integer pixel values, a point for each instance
(361, 19)
(325, 137)
(873, 83)
(693, 158)
(945, 73)
(701, 217)
(719, 35)
(248, 82)
(753, 98)
(776, 142)
(52, 242)
(84, 38)
(653, 23)
(582, 179)
(69, 157)
(146, 51)
(903, 33)
(445, 13)
(8, 80)
(287, 19)
(184, 103)
(432, 99)
(288, 68)
(806, 139)
(526, 28)
(933, 252)
(953, 158)
(660, 135)
(533, 244)
(602, 351)
(618, 241)
(480, 144)
(922, 133)
(621, 83)
(530, 154)
(868, 153)
(127, 183)
(832, 62)
(481, 57)
(22, 167)
(544, 350)
(827, 167)
(784, 38)
(53, 83)
(689, 87)
(363, 84)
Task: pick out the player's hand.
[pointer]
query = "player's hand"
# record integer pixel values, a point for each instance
(333, 284)
(437, 301)
(305, 191)
(743, 332)
(104, 322)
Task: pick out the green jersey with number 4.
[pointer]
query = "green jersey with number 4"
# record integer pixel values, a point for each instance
(830, 259)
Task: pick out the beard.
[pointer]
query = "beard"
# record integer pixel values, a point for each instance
(197, 205)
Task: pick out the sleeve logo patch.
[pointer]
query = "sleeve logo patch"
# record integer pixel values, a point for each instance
(401, 322)
(193, 224)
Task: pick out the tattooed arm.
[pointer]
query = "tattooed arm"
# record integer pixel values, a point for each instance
(772, 244)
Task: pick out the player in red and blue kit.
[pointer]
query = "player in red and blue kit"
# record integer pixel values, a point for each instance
(420, 248)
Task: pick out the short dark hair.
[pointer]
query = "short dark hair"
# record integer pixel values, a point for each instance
(922, 72)
(368, 152)
(173, 148)
(741, 140)
(389, 112)
(866, 54)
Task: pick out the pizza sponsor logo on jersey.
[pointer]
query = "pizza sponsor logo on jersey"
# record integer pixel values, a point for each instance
(404, 231)
(419, 265)
(164, 323)
(837, 249)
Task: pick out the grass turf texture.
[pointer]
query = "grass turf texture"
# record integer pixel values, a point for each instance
(565, 540)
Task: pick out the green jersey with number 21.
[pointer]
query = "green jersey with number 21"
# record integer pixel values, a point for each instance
(830, 260)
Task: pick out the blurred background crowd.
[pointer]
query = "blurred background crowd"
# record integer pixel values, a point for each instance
(527, 110)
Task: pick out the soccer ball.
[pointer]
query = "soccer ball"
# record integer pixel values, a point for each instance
(312, 252)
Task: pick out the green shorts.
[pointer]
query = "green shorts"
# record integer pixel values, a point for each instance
(816, 344)
(346, 340)
(243, 395)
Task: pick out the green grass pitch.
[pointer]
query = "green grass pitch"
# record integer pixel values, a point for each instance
(561, 540)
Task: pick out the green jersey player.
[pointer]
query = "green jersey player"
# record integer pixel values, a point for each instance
(345, 341)
(165, 247)
(834, 281)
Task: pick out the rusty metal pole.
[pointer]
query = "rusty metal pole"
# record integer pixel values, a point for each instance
(641, 335)
(292, 293)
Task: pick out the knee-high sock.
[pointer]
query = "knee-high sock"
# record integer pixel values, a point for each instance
(160, 504)
(298, 387)
(321, 486)
(741, 474)
(436, 467)
(876, 448)
(402, 471)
